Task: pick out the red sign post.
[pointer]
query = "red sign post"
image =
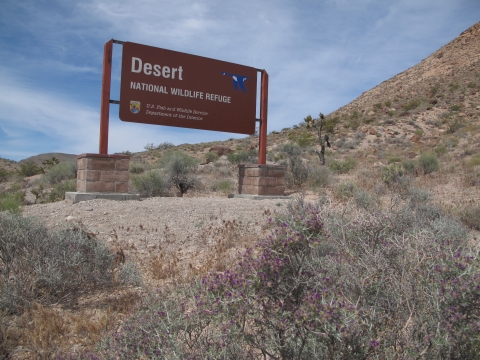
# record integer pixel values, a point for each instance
(165, 87)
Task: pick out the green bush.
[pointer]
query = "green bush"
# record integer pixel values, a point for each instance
(302, 138)
(475, 160)
(297, 171)
(150, 184)
(58, 190)
(4, 174)
(290, 149)
(440, 150)
(29, 168)
(180, 168)
(62, 171)
(428, 162)
(319, 176)
(12, 201)
(211, 157)
(408, 165)
(240, 157)
(224, 186)
(137, 167)
(412, 104)
(392, 173)
(342, 167)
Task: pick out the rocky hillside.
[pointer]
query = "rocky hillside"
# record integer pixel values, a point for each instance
(446, 81)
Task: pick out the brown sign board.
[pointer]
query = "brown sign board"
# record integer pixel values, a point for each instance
(165, 87)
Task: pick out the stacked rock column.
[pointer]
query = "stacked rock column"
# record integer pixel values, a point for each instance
(102, 173)
(256, 179)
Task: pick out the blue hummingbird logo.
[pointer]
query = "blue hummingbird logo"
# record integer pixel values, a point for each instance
(238, 81)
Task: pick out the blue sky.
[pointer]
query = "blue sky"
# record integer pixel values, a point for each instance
(320, 55)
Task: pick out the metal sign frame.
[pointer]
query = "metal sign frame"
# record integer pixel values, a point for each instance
(106, 101)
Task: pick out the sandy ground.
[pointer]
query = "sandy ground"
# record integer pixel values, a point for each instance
(186, 226)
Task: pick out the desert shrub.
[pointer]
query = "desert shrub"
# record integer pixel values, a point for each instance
(290, 149)
(365, 200)
(394, 159)
(475, 160)
(58, 190)
(440, 150)
(327, 283)
(61, 171)
(224, 186)
(211, 157)
(164, 146)
(470, 216)
(302, 138)
(29, 168)
(342, 167)
(454, 125)
(392, 173)
(49, 163)
(346, 190)
(319, 176)
(42, 266)
(150, 184)
(408, 166)
(138, 167)
(297, 171)
(12, 201)
(129, 274)
(412, 104)
(428, 162)
(4, 174)
(238, 157)
(180, 168)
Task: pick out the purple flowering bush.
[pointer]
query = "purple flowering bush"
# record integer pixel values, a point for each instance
(328, 283)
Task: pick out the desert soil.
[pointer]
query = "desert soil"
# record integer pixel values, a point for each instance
(190, 227)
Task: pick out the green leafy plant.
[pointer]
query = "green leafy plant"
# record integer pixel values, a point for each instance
(29, 168)
(180, 168)
(151, 183)
(137, 167)
(412, 104)
(211, 157)
(59, 172)
(342, 167)
(428, 162)
(12, 201)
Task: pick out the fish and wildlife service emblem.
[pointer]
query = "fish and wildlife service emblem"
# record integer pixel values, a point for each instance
(135, 107)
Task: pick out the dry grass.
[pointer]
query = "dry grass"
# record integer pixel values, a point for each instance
(43, 331)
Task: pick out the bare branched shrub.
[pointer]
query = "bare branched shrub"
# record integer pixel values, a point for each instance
(151, 183)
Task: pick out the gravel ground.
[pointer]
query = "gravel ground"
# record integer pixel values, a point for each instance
(143, 229)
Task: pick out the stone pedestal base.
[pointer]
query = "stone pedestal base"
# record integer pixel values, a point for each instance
(102, 173)
(257, 179)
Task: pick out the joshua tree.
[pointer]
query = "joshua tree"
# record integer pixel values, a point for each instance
(318, 125)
